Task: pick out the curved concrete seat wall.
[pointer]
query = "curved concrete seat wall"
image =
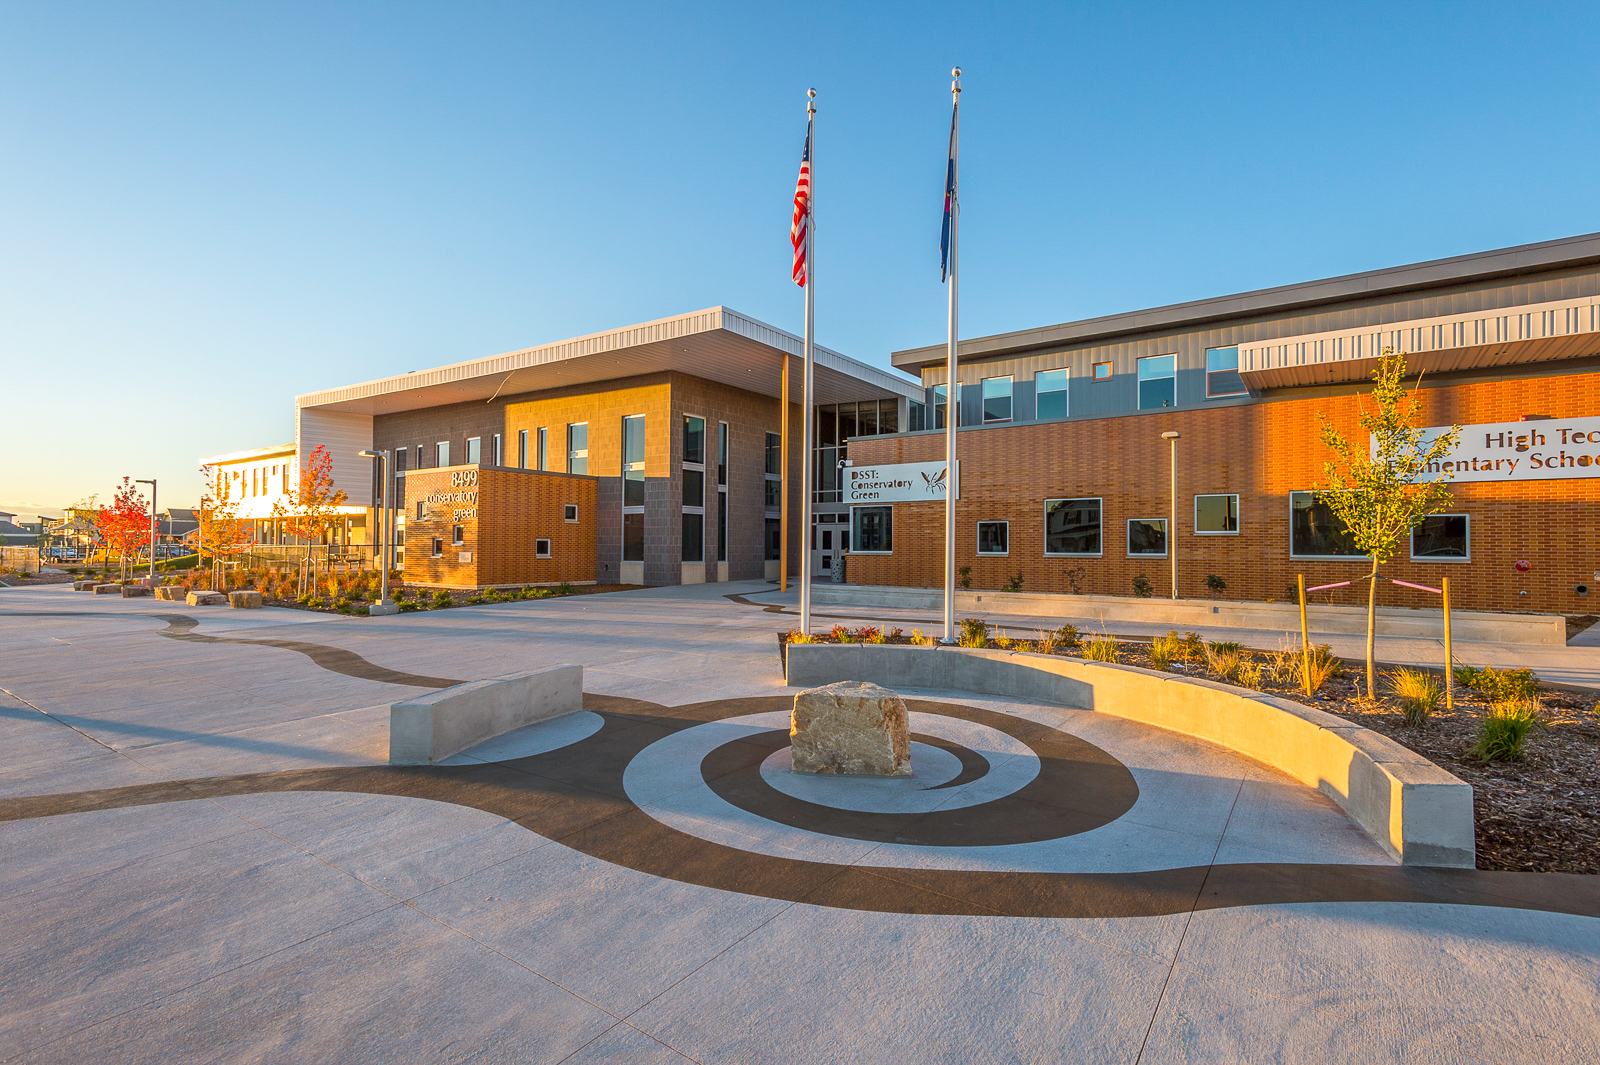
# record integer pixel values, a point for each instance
(430, 727)
(1416, 811)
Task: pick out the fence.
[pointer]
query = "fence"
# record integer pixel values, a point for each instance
(25, 559)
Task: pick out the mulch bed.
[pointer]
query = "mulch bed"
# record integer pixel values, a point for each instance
(424, 598)
(28, 580)
(1539, 814)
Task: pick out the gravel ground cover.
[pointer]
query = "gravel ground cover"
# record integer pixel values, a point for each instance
(1536, 813)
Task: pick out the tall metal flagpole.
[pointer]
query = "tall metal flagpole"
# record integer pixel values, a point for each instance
(952, 389)
(807, 458)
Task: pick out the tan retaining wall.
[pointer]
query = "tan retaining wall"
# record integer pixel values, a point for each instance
(1416, 811)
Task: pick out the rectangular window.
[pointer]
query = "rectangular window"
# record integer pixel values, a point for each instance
(633, 538)
(541, 548)
(997, 399)
(867, 418)
(1102, 371)
(722, 526)
(1072, 526)
(1442, 538)
(569, 512)
(827, 427)
(916, 416)
(633, 460)
(419, 456)
(1222, 373)
(442, 453)
(772, 486)
(455, 536)
(994, 537)
(399, 461)
(498, 455)
(1216, 515)
(438, 547)
(578, 447)
(872, 530)
(1147, 536)
(888, 416)
(544, 450)
(940, 393)
(1314, 532)
(772, 499)
(694, 440)
(1050, 394)
(694, 537)
(522, 449)
(419, 510)
(1158, 382)
(474, 450)
(774, 540)
(722, 453)
(848, 430)
(694, 488)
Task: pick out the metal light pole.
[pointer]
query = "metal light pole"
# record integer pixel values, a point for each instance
(152, 483)
(952, 386)
(1172, 522)
(385, 541)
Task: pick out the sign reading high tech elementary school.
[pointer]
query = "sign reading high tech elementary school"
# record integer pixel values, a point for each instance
(1522, 451)
(898, 482)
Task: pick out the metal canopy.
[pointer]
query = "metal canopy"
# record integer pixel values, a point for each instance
(717, 344)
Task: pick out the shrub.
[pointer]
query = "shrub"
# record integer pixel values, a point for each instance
(918, 639)
(895, 634)
(1066, 636)
(796, 636)
(441, 600)
(1100, 649)
(867, 634)
(1163, 649)
(1503, 731)
(1225, 659)
(1500, 686)
(565, 588)
(878, 636)
(1014, 584)
(840, 634)
(1250, 673)
(1003, 641)
(1418, 692)
(1142, 587)
(1215, 583)
(974, 632)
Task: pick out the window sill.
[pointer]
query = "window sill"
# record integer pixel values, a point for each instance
(1086, 554)
(1235, 532)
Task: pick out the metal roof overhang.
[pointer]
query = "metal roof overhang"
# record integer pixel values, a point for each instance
(716, 344)
(1479, 356)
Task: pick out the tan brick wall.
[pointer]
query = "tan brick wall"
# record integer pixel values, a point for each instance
(502, 513)
(1263, 452)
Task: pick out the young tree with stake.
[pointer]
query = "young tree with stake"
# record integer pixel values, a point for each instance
(310, 511)
(124, 526)
(222, 533)
(1383, 491)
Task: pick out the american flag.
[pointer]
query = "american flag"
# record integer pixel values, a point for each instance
(800, 227)
(949, 202)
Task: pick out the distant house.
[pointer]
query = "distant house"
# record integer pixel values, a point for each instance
(14, 535)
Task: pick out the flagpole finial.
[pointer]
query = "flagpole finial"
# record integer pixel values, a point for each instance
(812, 93)
(955, 85)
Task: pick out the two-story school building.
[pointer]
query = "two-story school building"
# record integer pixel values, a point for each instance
(1066, 480)
(651, 454)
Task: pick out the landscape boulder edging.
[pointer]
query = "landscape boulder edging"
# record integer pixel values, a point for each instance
(1417, 812)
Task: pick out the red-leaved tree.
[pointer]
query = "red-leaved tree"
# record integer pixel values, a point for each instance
(124, 526)
(313, 508)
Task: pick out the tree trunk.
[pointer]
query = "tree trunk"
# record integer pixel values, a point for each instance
(1372, 625)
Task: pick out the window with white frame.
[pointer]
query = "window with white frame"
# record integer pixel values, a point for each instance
(578, 447)
(1216, 515)
(456, 537)
(442, 453)
(1072, 526)
(541, 548)
(994, 537)
(543, 456)
(872, 530)
(633, 488)
(569, 512)
(474, 450)
(1316, 532)
(997, 399)
(1222, 373)
(1147, 537)
(1050, 394)
(498, 452)
(694, 489)
(1158, 382)
(772, 486)
(722, 491)
(1442, 538)
(438, 547)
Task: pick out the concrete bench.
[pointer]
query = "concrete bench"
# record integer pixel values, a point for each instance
(434, 726)
(200, 597)
(1419, 813)
(245, 600)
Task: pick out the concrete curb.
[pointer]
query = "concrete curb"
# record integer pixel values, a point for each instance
(1416, 811)
(434, 726)
(1468, 625)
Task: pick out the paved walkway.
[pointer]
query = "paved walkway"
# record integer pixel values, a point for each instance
(1577, 664)
(207, 859)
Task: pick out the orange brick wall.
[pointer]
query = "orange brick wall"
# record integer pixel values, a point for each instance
(502, 512)
(1261, 451)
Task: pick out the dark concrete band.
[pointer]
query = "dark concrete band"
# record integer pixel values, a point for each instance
(574, 795)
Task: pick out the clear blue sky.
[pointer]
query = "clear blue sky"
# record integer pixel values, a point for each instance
(209, 208)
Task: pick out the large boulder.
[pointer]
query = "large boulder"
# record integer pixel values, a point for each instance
(850, 727)
(245, 600)
(200, 597)
(130, 591)
(172, 593)
(108, 589)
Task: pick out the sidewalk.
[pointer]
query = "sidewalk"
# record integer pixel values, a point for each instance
(1577, 664)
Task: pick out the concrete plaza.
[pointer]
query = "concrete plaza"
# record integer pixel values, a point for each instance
(207, 859)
